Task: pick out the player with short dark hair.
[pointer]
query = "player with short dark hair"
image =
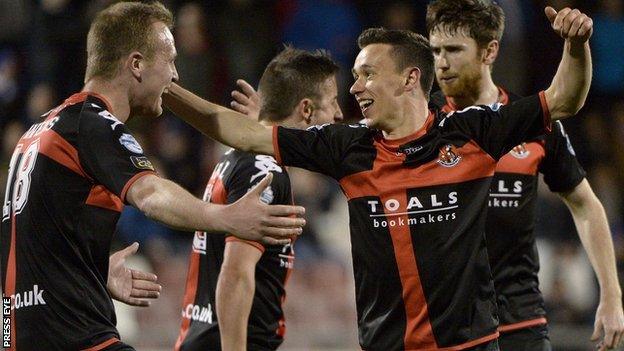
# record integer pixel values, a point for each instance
(71, 174)
(243, 281)
(417, 187)
(465, 36)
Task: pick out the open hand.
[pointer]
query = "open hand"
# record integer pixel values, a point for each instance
(251, 219)
(247, 100)
(130, 286)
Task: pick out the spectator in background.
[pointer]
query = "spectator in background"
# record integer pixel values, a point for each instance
(609, 53)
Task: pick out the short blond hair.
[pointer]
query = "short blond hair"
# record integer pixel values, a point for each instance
(120, 29)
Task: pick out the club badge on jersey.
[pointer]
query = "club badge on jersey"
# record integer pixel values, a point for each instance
(449, 156)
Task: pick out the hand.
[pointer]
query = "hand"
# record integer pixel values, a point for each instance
(570, 24)
(251, 219)
(130, 286)
(610, 318)
(247, 101)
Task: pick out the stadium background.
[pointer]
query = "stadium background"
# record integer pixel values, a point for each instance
(42, 60)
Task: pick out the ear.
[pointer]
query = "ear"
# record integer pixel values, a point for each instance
(305, 109)
(135, 63)
(413, 78)
(491, 52)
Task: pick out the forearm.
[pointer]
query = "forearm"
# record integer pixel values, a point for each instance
(164, 201)
(593, 229)
(235, 293)
(220, 123)
(570, 86)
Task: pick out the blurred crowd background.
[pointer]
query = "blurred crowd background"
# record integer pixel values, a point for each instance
(42, 61)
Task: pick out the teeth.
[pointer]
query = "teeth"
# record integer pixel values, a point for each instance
(364, 103)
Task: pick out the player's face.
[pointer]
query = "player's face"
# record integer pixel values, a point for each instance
(458, 64)
(326, 109)
(158, 74)
(378, 85)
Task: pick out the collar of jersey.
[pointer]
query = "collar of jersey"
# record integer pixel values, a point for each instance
(396, 143)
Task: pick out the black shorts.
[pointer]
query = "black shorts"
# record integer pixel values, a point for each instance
(119, 346)
(488, 346)
(527, 339)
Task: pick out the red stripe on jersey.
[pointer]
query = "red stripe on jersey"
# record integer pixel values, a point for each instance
(276, 149)
(9, 284)
(389, 173)
(102, 345)
(523, 165)
(281, 329)
(521, 325)
(101, 197)
(255, 244)
(547, 120)
(61, 151)
(418, 331)
(219, 195)
(192, 278)
(136, 177)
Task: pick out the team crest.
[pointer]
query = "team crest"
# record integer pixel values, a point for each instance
(449, 156)
(520, 151)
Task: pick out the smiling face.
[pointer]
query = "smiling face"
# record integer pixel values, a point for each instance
(156, 74)
(378, 85)
(458, 63)
(326, 108)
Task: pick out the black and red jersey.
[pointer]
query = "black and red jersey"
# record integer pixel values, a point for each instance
(511, 216)
(232, 178)
(67, 183)
(417, 210)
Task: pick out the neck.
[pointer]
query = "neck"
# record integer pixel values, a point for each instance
(410, 119)
(115, 93)
(487, 94)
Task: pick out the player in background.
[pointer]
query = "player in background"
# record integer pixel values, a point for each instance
(243, 281)
(71, 174)
(416, 185)
(465, 37)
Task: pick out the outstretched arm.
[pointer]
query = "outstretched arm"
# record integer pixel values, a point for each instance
(593, 228)
(220, 123)
(248, 218)
(235, 291)
(570, 86)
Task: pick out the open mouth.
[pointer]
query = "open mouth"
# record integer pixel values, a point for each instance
(365, 104)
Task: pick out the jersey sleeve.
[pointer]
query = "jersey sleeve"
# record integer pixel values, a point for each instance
(248, 172)
(319, 148)
(562, 170)
(109, 153)
(498, 128)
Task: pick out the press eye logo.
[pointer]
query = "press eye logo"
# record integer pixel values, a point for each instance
(520, 151)
(6, 322)
(449, 156)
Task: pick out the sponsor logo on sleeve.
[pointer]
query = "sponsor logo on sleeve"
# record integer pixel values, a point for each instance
(130, 143)
(141, 162)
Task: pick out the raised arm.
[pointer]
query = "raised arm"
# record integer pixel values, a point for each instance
(220, 123)
(570, 86)
(235, 292)
(593, 229)
(248, 218)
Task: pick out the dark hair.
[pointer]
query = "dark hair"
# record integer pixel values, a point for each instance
(408, 49)
(483, 20)
(120, 29)
(291, 76)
